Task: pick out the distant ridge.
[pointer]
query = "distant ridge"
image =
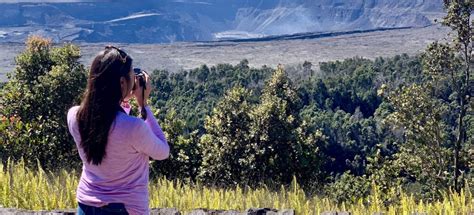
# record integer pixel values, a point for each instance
(168, 21)
(311, 35)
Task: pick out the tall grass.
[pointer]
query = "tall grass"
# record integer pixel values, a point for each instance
(21, 187)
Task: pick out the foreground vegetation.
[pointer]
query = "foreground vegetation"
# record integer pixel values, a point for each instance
(21, 187)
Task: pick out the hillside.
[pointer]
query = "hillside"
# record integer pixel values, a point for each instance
(185, 55)
(166, 21)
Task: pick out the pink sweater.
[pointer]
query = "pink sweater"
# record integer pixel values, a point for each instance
(122, 177)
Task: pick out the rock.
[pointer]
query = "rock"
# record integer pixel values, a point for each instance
(260, 211)
(13, 211)
(58, 212)
(282, 212)
(198, 212)
(232, 212)
(336, 213)
(164, 211)
(214, 212)
(249, 19)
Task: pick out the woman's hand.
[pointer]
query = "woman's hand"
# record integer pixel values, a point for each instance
(138, 92)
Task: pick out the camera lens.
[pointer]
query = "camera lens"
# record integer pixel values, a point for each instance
(137, 71)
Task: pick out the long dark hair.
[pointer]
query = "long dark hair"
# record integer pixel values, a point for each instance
(102, 101)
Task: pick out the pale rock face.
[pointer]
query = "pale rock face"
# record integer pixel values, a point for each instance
(149, 21)
(289, 17)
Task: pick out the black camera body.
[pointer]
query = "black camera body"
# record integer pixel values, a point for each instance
(141, 76)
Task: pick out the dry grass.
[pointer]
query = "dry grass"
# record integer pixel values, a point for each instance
(21, 187)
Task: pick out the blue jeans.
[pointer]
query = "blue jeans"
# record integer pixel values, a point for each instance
(112, 209)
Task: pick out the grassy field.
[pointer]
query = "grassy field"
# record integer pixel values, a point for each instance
(21, 187)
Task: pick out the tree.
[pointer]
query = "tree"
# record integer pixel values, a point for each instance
(229, 154)
(45, 84)
(424, 155)
(440, 63)
(275, 122)
(434, 114)
(185, 157)
(307, 69)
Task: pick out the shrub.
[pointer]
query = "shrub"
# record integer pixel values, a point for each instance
(45, 84)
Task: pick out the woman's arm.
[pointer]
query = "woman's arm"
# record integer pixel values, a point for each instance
(150, 139)
(154, 126)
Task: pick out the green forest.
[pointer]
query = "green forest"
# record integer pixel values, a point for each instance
(338, 128)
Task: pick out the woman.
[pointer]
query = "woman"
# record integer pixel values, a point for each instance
(114, 147)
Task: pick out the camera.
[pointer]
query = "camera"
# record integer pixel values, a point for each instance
(140, 74)
(141, 77)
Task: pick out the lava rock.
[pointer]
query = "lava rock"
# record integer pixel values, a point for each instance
(336, 213)
(164, 211)
(214, 212)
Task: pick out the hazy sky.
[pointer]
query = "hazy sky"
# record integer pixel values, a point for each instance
(48, 1)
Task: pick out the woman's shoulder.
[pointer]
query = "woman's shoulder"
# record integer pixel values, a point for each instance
(71, 113)
(71, 120)
(130, 122)
(122, 119)
(74, 108)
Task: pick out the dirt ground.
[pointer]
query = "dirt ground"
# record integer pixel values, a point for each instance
(179, 56)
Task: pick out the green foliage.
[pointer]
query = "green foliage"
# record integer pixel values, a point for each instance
(247, 143)
(229, 149)
(329, 119)
(46, 83)
(398, 71)
(185, 157)
(424, 153)
(459, 19)
(350, 139)
(434, 115)
(348, 188)
(193, 94)
(276, 120)
(317, 129)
